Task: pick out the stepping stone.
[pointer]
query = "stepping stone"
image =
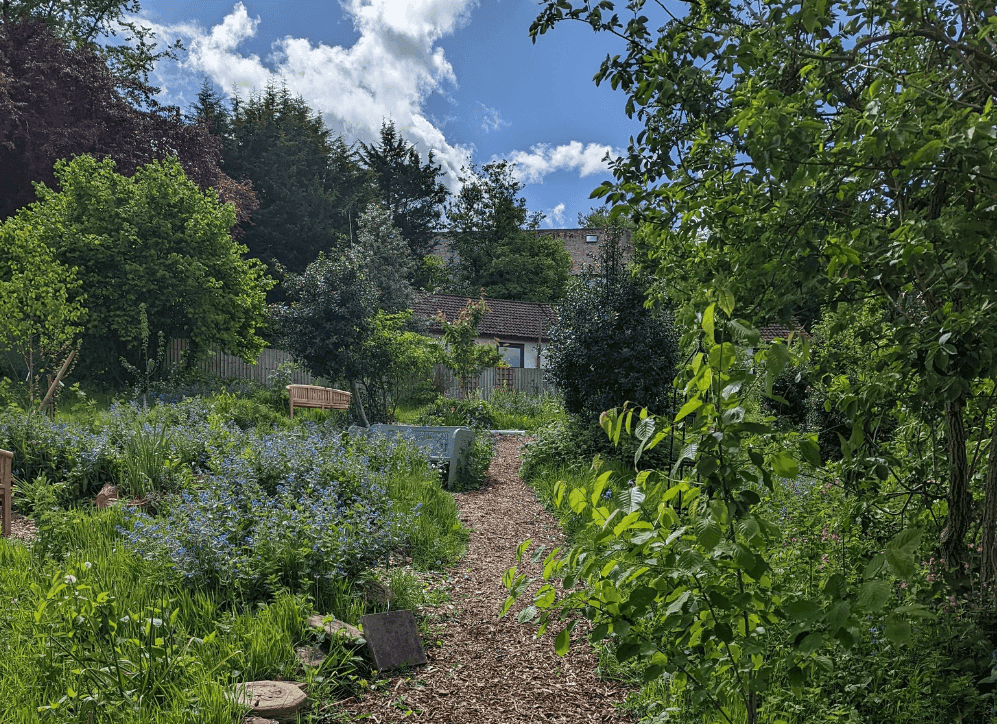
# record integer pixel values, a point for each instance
(336, 627)
(278, 700)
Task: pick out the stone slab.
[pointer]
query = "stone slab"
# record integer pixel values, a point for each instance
(270, 699)
(393, 638)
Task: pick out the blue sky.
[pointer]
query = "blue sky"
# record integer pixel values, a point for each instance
(459, 77)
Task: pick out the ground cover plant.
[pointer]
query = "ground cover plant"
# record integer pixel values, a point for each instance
(123, 615)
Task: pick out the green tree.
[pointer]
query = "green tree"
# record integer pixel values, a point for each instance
(40, 310)
(389, 260)
(492, 236)
(88, 108)
(821, 153)
(394, 356)
(333, 325)
(310, 189)
(463, 355)
(608, 346)
(409, 189)
(155, 239)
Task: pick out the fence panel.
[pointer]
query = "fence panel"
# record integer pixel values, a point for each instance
(227, 366)
(521, 379)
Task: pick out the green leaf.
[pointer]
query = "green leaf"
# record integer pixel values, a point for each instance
(527, 614)
(708, 322)
(873, 595)
(784, 465)
(562, 642)
(811, 643)
(897, 630)
(688, 408)
(810, 451)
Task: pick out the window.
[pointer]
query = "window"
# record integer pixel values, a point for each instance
(512, 354)
(591, 238)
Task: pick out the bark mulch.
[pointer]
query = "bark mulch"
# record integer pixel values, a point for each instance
(488, 670)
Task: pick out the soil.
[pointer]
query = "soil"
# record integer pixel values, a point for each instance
(487, 670)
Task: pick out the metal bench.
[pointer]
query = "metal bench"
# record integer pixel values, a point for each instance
(323, 398)
(6, 491)
(450, 446)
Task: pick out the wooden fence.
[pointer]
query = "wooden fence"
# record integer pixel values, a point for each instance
(226, 366)
(521, 379)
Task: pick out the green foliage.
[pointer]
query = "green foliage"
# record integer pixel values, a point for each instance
(153, 238)
(448, 412)
(409, 190)
(311, 190)
(679, 572)
(390, 261)
(496, 251)
(463, 355)
(608, 347)
(513, 410)
(329, 317)
(41, 312)
(819, 155)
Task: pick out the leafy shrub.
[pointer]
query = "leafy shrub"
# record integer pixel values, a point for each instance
(607, 347)
(447, 411)
(83, 459)
(574, 441)
(514, 410)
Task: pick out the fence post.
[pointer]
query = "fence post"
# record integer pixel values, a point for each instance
(6, 491)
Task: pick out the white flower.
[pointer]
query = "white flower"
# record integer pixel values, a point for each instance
(70, 580)
(88, 565)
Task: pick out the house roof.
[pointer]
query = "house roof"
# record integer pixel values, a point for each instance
(781, 331)
(505, 319)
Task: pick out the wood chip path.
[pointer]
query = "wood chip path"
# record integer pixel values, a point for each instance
(488, 670)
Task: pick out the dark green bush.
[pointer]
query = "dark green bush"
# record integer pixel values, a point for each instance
(607, 347)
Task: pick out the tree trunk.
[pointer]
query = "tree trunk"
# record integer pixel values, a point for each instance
(356, 396)
(988, 565)
(960, 501)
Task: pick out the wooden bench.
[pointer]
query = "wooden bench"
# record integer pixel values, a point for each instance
(6, 491)
(450, 446)
(323, 398)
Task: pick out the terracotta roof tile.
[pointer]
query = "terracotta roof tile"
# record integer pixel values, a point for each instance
(505, 319)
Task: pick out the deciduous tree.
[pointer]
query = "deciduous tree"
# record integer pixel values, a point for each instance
(156, 239)
(822, 153)
(58, 100)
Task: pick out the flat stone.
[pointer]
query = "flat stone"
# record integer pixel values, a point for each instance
(258, 720)
(310, 655)
(279, 700)
(335, 627)
(393, 638)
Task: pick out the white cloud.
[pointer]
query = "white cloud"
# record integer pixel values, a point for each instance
(491, 119)
(533, 165)
(555, 217)
(385, 75)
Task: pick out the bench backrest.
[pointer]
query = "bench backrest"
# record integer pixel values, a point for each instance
(453, 444)
(6, 491)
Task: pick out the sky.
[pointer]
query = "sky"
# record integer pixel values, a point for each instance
(459, 77)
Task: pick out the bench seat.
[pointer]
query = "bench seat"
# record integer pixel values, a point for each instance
(323, 398)
(450, 446)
